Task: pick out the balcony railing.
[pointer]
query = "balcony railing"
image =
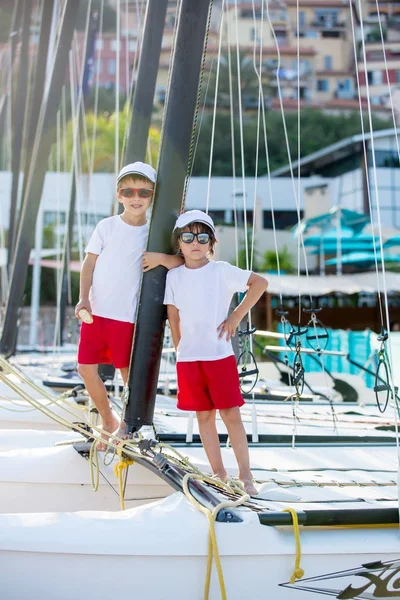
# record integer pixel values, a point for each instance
(327, 25)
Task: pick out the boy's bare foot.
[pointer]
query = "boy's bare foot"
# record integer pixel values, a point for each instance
(249, 486)
(121, 433)
(108, 428)
(222, 475)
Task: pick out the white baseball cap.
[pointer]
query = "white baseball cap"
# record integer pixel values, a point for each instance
(138, 168)
(194, 216)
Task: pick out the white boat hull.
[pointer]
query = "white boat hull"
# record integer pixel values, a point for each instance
(58, 479)
(150, 554)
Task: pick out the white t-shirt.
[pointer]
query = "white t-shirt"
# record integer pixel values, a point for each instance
(118, 269)
(203, 297)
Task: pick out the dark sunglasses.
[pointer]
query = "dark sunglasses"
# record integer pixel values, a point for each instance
(187, 237)
(141, 192)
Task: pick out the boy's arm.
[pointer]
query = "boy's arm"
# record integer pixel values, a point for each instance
(86, 278)
(174, 324)
(156, 259)
(257, 286)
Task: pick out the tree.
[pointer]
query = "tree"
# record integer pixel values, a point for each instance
(318, 130)
(104, 143)
(269, 261)
(249, 259)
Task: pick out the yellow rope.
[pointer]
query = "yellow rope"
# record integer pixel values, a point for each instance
(119, 468)
(212, 537)
(298, 572)
(94, 465)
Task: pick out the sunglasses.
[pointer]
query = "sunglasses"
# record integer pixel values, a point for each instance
(141, 192)
(187, 237)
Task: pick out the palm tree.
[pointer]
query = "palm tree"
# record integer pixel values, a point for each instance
(270, 261)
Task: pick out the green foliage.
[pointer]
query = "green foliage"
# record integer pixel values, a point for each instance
(269, 261)
(104, 142)
(375, 35)
(105, 100)
(318, 130)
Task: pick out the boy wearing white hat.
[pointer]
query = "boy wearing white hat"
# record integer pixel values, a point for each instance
(109, 285)
(198, 295)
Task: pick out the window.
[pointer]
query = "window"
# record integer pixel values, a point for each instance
(322, 85)
(218, 216)
(132, 46)
(328, 63)
(115, 45)
(331, 33)
(99, 45)
(53, 218)
(252, 34)
(385, 159)
(302, 18)
(326, 18)
(283, 219)
(397, 76)
(99, 65)
(111, 66)
(375, 77)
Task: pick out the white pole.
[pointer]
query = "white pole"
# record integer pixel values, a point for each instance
(52, 39)
(339, 270)
(35, 300)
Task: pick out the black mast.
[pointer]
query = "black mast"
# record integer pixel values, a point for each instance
(39, 83)
(142, 106)
(18, 121)
(144, 89)
(172, 170)
(44, 139)
(88, 53)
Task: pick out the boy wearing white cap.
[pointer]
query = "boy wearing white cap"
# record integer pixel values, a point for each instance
(198, 295)
(109, 285)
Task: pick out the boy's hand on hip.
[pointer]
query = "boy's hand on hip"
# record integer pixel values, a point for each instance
(83, 303)
(150, 260)
(228, 327)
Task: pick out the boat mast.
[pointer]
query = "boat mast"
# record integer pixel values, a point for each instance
(88, 50)
(172, 171)
(145, 86)
(18, 120)
(142, 105)
(44, 139)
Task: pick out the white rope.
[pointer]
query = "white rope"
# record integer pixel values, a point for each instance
(127, 31)
(386, 303)
(260, 92)
(214, 111)
(234, 192)
(117, 87)
(239, 90)
(295, 195)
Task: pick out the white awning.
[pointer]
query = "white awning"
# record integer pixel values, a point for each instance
(317, 285)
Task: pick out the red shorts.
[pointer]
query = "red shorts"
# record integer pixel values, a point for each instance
(105, 341)
(208, 384)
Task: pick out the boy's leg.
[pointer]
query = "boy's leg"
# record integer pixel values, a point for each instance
(210, 441)
(237, 435)
(124, 374)
(98, 394)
